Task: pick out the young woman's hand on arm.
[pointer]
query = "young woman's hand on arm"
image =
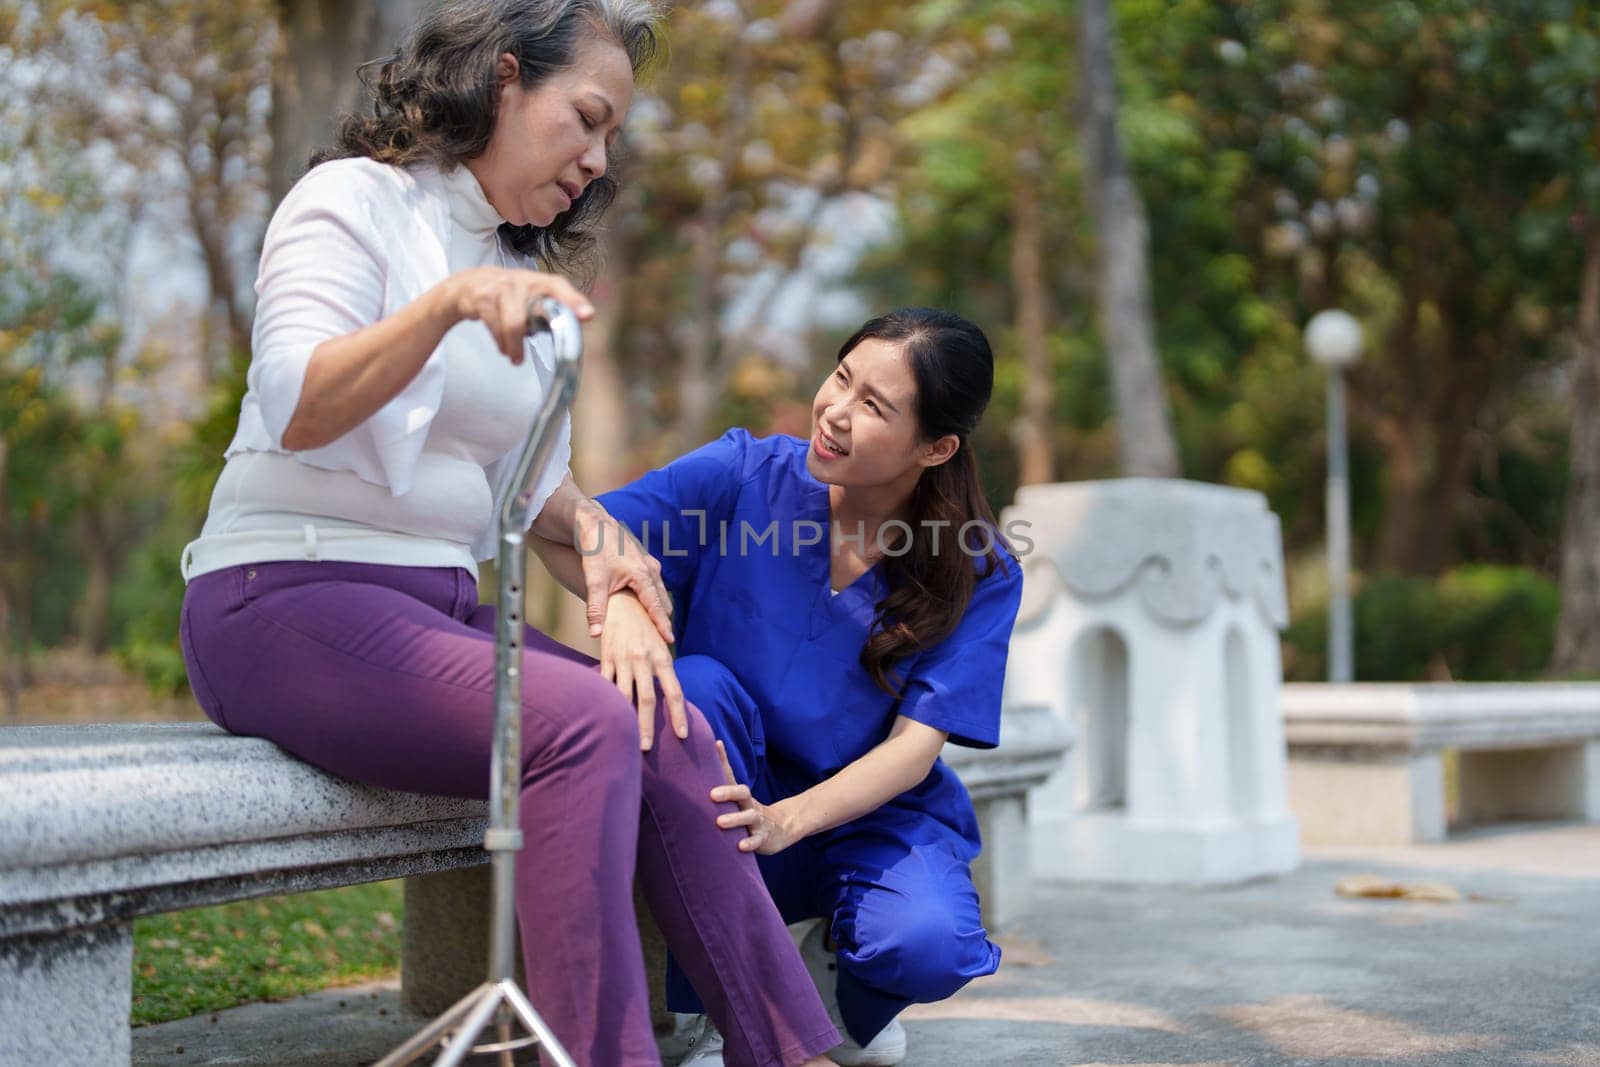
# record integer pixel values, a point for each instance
(900, 762)
(350, 377)
(627, 603)
(633, 656)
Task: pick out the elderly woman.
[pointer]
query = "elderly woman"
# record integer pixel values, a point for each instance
(332, 598)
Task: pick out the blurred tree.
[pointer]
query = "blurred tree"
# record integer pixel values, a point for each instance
(989, 224)
(112, 108)
(1371, 146)
(1284, 168)
(1561, 126)
(1144, 425)
(321, 43)
(66, 472)
(176, 91)
(772, 116)
(60, 348)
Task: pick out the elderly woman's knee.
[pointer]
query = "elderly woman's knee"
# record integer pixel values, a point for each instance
(596, 717)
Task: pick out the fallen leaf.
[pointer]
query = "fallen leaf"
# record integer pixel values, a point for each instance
(1374, 886)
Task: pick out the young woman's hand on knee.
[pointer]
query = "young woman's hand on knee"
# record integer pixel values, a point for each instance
(770, 830)
(633, 655)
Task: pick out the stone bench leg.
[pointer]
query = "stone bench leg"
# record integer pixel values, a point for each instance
(1003, 871)
(66, 998)
(1364, 797)
(1544, 783)
(446, 949)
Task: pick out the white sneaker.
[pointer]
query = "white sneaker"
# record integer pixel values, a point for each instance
(888, 1047)
(705, 1044)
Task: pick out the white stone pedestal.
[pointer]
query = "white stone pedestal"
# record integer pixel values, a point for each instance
(1149, 625)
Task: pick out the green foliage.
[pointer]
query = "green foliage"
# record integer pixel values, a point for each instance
(146, 604)
(1424, 165)
(1474, 624)
(1427, 165)
(149, 594)
(210, 959)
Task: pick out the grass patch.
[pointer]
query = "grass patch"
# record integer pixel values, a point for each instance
(208, 959)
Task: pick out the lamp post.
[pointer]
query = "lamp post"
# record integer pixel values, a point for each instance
(1333, 340)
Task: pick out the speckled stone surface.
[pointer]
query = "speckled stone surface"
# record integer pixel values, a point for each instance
(65, 999)
(91, 816)
(445, 953)
(102, 823)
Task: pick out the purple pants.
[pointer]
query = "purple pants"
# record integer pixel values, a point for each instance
(385, 675)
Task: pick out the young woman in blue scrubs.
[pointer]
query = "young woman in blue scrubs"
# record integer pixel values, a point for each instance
(844, 608)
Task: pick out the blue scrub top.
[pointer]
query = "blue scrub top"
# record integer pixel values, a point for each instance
(741, 530)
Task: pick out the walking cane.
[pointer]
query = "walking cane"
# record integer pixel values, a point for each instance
(499, 998)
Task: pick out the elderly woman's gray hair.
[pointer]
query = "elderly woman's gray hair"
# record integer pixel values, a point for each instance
(436, 98)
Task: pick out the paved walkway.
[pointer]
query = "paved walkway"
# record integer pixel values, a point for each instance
(1279, 971)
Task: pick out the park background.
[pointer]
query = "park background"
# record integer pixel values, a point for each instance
(1142, 211)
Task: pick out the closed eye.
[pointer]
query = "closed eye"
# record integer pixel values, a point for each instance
(588, 123)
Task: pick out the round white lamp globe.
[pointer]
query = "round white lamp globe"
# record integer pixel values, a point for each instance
(1333, 338)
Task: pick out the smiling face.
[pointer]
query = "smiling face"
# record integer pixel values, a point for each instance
(864, 427)
(550, 139)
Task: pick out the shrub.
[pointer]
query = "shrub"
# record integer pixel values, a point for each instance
(1476, 623)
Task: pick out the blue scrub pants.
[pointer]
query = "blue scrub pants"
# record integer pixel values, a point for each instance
(893, 884)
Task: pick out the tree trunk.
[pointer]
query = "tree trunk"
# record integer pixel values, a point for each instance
(95, 611)
(696, 392)
(1402, 494)
(701, 375)
(1454, 431)
(21, 596)
(1144, 423)
(1035, 454)
(314, 80)
(8, 654)
(600, 413)
(1578, 630)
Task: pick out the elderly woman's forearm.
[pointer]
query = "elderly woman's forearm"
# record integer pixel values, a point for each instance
(349, 378)
(568, 514)
(563, 563)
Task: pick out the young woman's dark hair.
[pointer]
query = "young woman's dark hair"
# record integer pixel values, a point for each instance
(931, 583)
(436, 99)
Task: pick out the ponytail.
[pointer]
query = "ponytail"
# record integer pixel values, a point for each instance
(931, 585)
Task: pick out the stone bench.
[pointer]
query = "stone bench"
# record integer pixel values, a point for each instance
(1366, 760)
(102, 824)
(1032, 745)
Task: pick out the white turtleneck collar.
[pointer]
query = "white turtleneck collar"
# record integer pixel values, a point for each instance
(469, 207)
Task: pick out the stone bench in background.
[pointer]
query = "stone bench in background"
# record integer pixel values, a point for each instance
(1366, 760)
(1032, 745)
(101, 824)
